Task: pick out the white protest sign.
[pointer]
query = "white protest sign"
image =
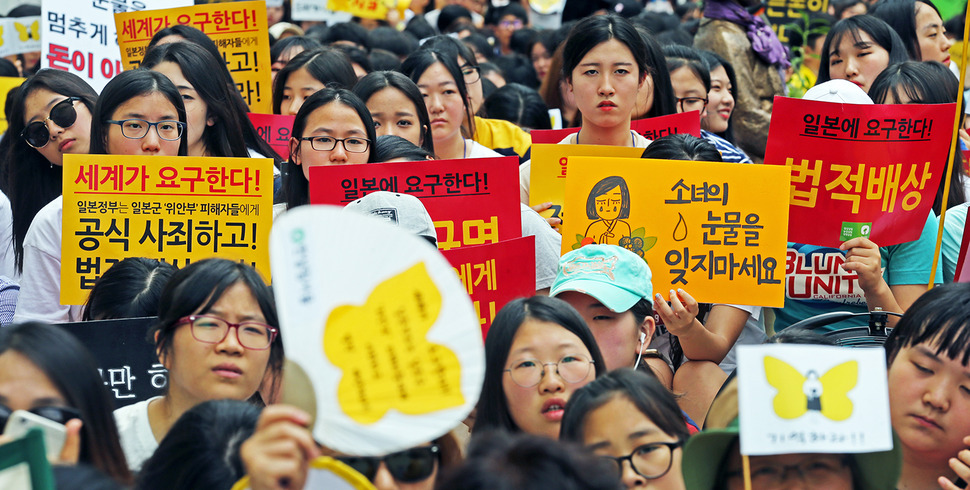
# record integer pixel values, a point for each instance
(310, 10)
(813, 399)
(19, 35)
(378, 325)
(80, 37)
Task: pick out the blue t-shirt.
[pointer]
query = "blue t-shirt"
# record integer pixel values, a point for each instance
(729, 152)
(815, 282)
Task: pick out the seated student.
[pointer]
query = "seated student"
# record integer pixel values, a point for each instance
(627, 416)
(128, 289)
(202, 449)
(218, 336)
(929, 388)
(397, 107)
(306, 74)
(520, 393)
(403, 210)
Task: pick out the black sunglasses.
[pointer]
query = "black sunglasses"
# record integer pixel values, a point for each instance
(58, 414)
(37, 135)
(408, 466)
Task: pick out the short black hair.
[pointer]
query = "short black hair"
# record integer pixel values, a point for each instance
(349, 32)
(519, 105)
(600, 188)
(128, 289)
(941, 318)
(390, 147)
(328, 65)
(684, 146)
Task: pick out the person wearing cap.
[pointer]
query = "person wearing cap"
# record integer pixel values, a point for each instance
(610, 287)
(403, 210)
(712, 460)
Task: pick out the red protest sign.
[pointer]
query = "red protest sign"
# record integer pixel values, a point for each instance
(275, 130)
(859, 170)
(472, 201)
(650, 128)
(495, 274)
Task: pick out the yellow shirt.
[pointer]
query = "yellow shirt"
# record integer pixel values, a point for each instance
(504, 137)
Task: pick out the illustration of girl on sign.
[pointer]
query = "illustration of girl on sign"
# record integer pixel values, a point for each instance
(609, 204)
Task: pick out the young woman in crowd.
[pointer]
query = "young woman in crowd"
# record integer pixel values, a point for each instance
(630, 419)
(556, 94)
(46, 371)
(858, 49)
(930, 82)
(691, 81)
(333, 127)
(140, 112)
(50, 117)
(397, 107)
(219, 338)
(307, 73)
(929, 382)
(216, 114)
(656, 98)
(184, 33)
(519, 105)
(287, 48)
(537, 353)
(920, 27)
(721, 97)
(443, 86)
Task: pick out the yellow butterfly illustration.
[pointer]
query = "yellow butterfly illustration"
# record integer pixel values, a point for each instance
(798, 393)
(27, 33)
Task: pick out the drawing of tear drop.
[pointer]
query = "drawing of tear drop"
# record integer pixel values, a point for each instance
(680, 231)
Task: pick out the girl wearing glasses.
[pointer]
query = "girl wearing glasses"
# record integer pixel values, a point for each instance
(442, 85)
(46, 371)
(50, 116)
(307, 73)
(333, 127)
(691, 79)
(630, 419)
(397, 107)
(139, 112)
(218, 336)
(537, 353)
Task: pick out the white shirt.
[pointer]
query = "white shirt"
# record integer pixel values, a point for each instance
(480, 151)
(137, 440)
(7, 267)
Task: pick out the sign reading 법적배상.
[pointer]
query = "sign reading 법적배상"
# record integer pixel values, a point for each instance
(81, 37)
(859, 170)
(237, 28)
(472, 201)
(717, 230)
(179, 210)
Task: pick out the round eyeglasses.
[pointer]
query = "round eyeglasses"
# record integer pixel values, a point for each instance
(213, 330)
(571, 368)
(137, 129)
(471, 73)
(650, 461)
(63, 114)
(328, 143)
(688, 104)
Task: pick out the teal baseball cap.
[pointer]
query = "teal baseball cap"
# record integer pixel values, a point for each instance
(615, 276)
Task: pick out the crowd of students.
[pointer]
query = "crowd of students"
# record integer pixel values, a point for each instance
(639, 391)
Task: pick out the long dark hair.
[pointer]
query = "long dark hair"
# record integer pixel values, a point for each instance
(197, 287)
(925, 82)
(901, 16)
(493, 412)
(664, 101)
(31, 181)
(296, 187)
(714, 61)
(124, 87)
(330, 66)
(880, 32)
(419, 62)
(74, 372)
(376, 81)
(225, 107)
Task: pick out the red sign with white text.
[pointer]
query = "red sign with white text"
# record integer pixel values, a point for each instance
(275, 130)
(859, 170)
(472, 201)
(650, 128)
(495, 274)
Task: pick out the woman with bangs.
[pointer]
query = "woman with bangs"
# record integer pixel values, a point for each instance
(929, 388)
(858, 49)
(139, 112)
(306, 74)
(397, 107)
(920, 26)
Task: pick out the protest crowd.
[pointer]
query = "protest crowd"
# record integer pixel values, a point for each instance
(612, 349)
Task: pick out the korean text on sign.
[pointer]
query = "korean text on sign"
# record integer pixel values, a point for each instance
(80, 37)
(495, 274)
(781, 13)
(174, 209)
(875, 167)
(650, 128)
(274, 129)
(472, 201)
(237, 28)
(717, 230)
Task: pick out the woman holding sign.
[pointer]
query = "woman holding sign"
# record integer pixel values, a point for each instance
(49, 117)
(218, 336)
(140, 112)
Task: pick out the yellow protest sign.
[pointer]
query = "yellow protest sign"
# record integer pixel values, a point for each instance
(237, 28)
(717, 230)
(179, 210)
(6, 85)
(548, 180)
(368, 9)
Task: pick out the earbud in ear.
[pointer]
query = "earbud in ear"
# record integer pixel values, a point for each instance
(643, 337)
